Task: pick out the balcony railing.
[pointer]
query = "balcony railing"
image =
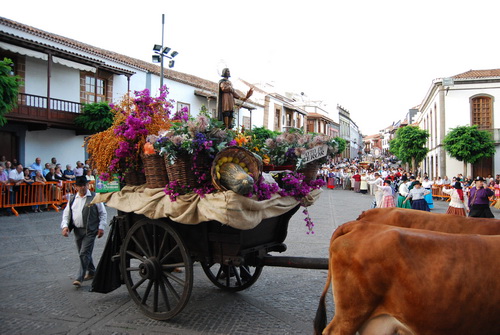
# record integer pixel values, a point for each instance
(37, 101)
(33, 109)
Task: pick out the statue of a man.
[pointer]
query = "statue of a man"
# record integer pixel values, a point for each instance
(225, 106)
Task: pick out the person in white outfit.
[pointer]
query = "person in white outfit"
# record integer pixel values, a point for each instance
(378, 192)
(458, 203)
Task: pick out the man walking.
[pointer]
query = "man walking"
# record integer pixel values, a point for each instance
(87, 221)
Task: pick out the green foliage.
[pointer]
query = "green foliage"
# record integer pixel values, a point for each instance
(204, 111)
(262, 133)
(469, 144)
(342, 143)
(9, 89)
(409, 144)
(95, 117)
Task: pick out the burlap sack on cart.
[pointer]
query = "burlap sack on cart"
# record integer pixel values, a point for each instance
(225, 207)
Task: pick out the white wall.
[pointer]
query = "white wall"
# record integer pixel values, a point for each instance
(62, 144)
(35, 81)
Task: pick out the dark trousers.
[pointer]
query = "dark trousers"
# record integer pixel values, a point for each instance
(85, 245)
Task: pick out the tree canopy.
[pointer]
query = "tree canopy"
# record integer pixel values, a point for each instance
(342, 144)
(469, 144)
(9, 89)
(95, 117)
(409, 145)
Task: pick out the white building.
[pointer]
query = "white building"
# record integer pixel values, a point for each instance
(59, 74)
(470, 98)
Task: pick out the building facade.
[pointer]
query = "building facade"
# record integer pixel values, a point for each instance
(470, 98)
(60, 74)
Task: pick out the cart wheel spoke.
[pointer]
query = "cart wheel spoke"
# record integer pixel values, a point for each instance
(172, 290)
(169, 254)
(138, 245)
(146, 294)
(231, 277)
(139, 283)
(150, 252)
(164, 294)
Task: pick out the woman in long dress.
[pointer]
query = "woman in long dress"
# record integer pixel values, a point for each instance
(363, 185)
(357, 181)
(458, 202)
(403, 193)
(427, 184)
(387, 195)
(378, 193)
(417, 194)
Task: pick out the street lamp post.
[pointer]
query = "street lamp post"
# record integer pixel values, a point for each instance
(162, 52)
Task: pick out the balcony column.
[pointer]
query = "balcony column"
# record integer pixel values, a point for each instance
(49, 75)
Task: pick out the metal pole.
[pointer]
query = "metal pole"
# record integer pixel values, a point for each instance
(161, 51)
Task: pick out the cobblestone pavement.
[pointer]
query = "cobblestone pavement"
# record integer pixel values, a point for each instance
(37, 266)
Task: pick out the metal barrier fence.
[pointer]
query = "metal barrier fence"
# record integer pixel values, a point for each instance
(52, 194)
(437, 192)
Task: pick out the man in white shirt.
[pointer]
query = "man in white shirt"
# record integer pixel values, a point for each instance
(87, 221)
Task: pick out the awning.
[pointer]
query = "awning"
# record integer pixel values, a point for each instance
(24, 51)
(73, 65)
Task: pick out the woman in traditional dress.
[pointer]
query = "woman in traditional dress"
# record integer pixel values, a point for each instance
(377, 202)
(417, 194)
(363, 185)
(357, 181)
(331, 180)
(403, 193)
(458, 202)
(427, 184)
(387, 194)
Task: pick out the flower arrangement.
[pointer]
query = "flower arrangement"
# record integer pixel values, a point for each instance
(288, 147)
(293, 184)
(198, 139)
(117, 149)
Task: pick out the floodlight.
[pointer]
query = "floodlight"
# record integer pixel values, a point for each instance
(166, 50)
(156, 59)
(171, 64)
(173, 54)
(157, 48)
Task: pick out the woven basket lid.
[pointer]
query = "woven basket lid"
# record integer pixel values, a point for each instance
(252, 161)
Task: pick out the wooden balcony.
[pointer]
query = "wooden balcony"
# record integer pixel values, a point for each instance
(41, 113)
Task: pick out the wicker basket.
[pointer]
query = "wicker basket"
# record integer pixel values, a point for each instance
(155, 171)
(253, 163)
(183, 170)
(310, 171)
(134, 178)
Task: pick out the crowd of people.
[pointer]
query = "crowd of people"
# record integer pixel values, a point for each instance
(393, 186)
(14, 173)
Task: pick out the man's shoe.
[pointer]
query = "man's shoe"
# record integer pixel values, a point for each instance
(77, 283)
(89, 276)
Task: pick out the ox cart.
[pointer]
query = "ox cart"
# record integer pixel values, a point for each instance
(157, 252)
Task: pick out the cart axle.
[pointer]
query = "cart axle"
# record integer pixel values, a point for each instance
(296, 262)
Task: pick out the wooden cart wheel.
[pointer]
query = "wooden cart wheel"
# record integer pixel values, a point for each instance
(239, 278)
(157, 269)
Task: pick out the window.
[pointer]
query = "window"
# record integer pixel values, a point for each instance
(91, 91)
(482, 112)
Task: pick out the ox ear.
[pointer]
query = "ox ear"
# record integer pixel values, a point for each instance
(362, 215)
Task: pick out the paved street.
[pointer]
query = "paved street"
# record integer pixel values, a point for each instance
(37, 266)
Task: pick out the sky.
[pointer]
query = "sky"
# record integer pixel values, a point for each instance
(377, 59)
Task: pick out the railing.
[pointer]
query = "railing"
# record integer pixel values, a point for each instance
(31, 100)
(52, 194)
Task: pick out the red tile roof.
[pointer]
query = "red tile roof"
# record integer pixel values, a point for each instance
(111, 55)
(478, 74)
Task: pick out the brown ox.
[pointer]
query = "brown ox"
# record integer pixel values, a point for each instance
(409, 218)
(390, 280)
